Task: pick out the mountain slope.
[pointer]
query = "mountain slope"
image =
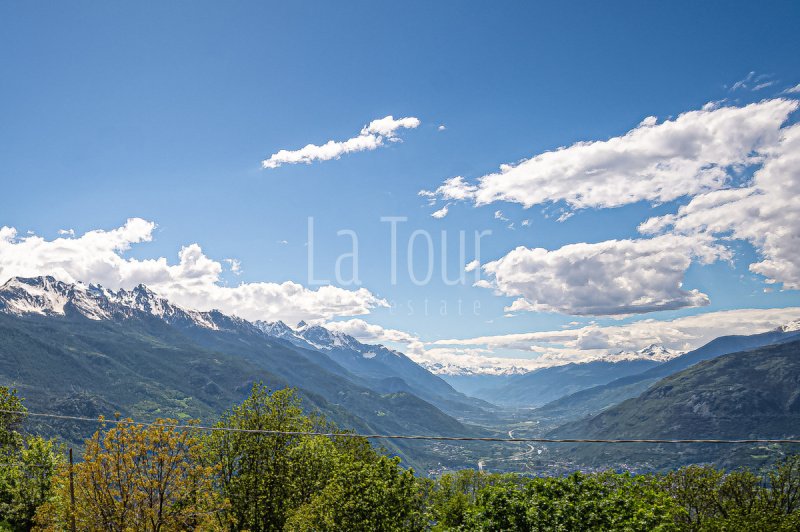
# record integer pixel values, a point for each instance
(598, 398)
(380, 368)
(85, 350)
(743, 395)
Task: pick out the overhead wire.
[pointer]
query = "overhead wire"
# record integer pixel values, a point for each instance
(493, 439)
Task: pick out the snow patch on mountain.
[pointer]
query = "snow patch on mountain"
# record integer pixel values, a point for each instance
(655, 352)
(46, 296)
(792, 326)
(454, 370)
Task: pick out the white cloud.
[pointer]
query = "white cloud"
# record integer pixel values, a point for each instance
(441, 127)
(235, 266)
(613, 277)
(472, 266)
(441, 213)
(64, 232)
(793, 90)
(371, 333)
(692, 154)
(765, 213)
(372, 136)
(455, 188)
(744, 82)
(456, 361)
(753, 82)
(595, 342)
(194, 282)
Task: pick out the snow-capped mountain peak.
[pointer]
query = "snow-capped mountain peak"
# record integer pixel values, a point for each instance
(278, 329)
(655, 352)
(42, 295)
(792, 326)
(322, 339)
(48, 297)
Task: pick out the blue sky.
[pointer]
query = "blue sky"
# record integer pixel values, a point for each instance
(164, 111)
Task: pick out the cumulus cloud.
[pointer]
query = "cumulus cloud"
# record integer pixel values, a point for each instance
(765, 213)
(613, 277)
(193, 282)
(695, 153)
(372, 136)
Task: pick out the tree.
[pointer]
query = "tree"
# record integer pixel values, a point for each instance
(26, 484)
(255, 468)
(368, 496)
(12, 414)
(137, 477)
(265, 476)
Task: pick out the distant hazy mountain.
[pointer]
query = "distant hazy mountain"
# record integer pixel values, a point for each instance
(546, 384)
(598, 398)
(541, 386)
(80, 349)
(743, 395)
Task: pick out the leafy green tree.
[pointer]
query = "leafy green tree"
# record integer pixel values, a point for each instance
(453, 496)
(257, 473)
(368, 496)
(696, 490)
(268, 476)
(606, 501)
(12, 414)
(27, 483)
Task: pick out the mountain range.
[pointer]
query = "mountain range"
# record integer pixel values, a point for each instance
(750, 394)
(86, 350)
(541, 386)
(596, 399)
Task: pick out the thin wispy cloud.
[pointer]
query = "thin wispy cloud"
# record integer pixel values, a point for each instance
(793, 90)
(372, 136)
(753, 82)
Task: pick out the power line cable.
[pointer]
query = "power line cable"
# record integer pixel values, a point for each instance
(399, 436)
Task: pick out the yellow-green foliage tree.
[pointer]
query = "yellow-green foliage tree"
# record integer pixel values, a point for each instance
(135, 477)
